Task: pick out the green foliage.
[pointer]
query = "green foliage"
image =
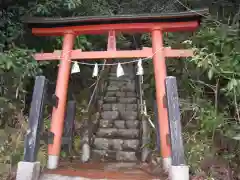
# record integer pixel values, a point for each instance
(16, 66)
(215, 87)
(20, 62)
(196, 149)
(208, 120)
(217, 53)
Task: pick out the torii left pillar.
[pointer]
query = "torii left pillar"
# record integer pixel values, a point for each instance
(160, 75)
(58, 113)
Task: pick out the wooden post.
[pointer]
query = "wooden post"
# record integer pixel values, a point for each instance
(35, 121)
(58, 113)
(174, 122)
(160, 75)
(69, 126)
(178, 171)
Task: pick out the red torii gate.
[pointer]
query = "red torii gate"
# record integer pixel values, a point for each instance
(71, 27)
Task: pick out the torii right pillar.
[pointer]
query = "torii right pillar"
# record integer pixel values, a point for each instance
(160, 75)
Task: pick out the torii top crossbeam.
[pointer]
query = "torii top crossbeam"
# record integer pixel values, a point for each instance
(171, 22)
(70, 27)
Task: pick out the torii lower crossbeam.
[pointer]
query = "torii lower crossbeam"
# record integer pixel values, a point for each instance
(110, 54)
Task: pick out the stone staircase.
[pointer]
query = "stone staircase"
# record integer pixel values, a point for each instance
(118, 135)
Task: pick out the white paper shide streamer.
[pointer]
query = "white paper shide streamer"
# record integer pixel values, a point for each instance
(95, 70)
(75, 68)
(120, 71)
(140, 68)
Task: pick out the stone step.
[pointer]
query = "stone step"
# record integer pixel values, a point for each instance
(120, 124)
(111, 94)
(128, 100)
(129, 66)
(124, 115)
(121, 94)
(110, 99)
(119, 107)
(118, 84)
(126, 73)
(131, 94)
(113, 107)
(116, 144)
(120, 88)
(122, 78)
(129, 87)
(112, 74)
(108, 155)
(113, 88)
(121, 100)
(110, 115)
(115, 94)
(118, 133)
(121, 83)
(128, 115)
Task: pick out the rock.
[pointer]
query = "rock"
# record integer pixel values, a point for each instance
(118, 107)
(110, 94)
(100, 102)
(125, 79)
(107, 107)
(119, 84)
(128, 133)
(117, 144)
(106, 123)
(129, 87)
(129, 115)
(103, 155)
(132, 124)
(120, 124)
(129, 100)
(131, 107)
(107, 132)
(132, 144)
(121, 94)
(112, 74)
(120, 133)
(102, 143)
(113, 88)
(110, 99)
(126, 156)
(110, 115)
(131, 94)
